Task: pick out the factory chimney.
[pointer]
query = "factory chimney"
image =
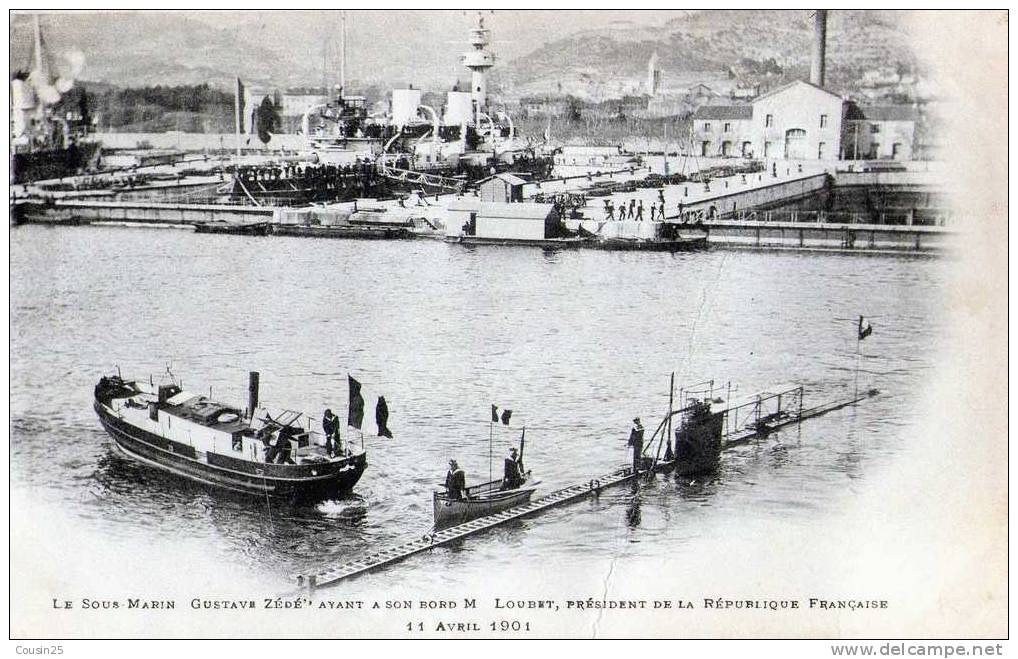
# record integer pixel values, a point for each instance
(818, 65)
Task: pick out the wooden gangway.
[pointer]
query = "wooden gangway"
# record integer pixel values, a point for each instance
(757, 424)
(401, 552)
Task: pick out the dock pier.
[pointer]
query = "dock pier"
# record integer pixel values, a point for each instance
(759, 425)
(899, 212)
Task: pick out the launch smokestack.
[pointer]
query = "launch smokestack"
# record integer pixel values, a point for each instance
(252, 393)
(818, 66)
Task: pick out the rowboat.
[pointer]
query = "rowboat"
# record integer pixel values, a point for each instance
(481, 500)
(495, 496)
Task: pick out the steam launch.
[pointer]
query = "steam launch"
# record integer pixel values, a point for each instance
(253, 451)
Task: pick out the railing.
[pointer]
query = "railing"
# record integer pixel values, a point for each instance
(766, 408)
(895, 217)
(422, 178)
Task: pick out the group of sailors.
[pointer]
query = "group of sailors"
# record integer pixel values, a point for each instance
(513, 477)
(634, 211)
(280, 449)
(309, 175)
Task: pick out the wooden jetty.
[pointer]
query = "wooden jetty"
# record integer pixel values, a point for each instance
(761, 417)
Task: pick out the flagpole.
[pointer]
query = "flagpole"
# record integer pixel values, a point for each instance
(237, 112)
(491, 433)
(671, 407)
(858, 353)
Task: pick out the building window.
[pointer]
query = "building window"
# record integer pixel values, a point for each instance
(728, 127)
(768, 149)
(726, 148)
(769, 121)
(823, 121)
(822, 151)
(704, 146)
(706, 126)
(874, 128)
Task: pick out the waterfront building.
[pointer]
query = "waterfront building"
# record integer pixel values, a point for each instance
(473, 217)
(291, 104)
(880, 132)
(725, 130)
(803, 121)
(504, 188)
(543, 106)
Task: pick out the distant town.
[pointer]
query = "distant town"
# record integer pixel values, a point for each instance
(655, 159)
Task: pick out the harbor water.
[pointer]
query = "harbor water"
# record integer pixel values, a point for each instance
(576, 343)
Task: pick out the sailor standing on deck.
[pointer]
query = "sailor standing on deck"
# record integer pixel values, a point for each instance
(330, 426)
(636, 441)
(455, 482)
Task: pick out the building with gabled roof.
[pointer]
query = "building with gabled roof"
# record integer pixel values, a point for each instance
(879, 132)
(803, 121)
(724, 130)
(503, 187)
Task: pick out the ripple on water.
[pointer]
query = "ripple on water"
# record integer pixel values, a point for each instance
(576, 343)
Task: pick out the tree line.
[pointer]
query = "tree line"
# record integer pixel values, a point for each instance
(191, 108)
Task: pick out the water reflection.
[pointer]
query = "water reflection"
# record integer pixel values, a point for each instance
(633, 516)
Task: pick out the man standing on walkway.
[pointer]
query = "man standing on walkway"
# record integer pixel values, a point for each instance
(636, 441)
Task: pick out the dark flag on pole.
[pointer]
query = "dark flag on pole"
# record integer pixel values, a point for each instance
(505, 415)
(865, 329)
(355, 415)
(382, 418)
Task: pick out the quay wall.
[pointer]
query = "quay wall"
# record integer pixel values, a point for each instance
(826, 236)
(739, 193)
(147, 212)
(906, 179)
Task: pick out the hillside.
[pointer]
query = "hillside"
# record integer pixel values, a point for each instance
(712, 43)
(537, 51)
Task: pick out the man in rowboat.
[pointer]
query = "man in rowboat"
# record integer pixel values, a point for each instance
(455, 482)
(512, 476)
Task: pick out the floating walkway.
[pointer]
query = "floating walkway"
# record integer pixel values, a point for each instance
(762, 416)
(401, 552)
